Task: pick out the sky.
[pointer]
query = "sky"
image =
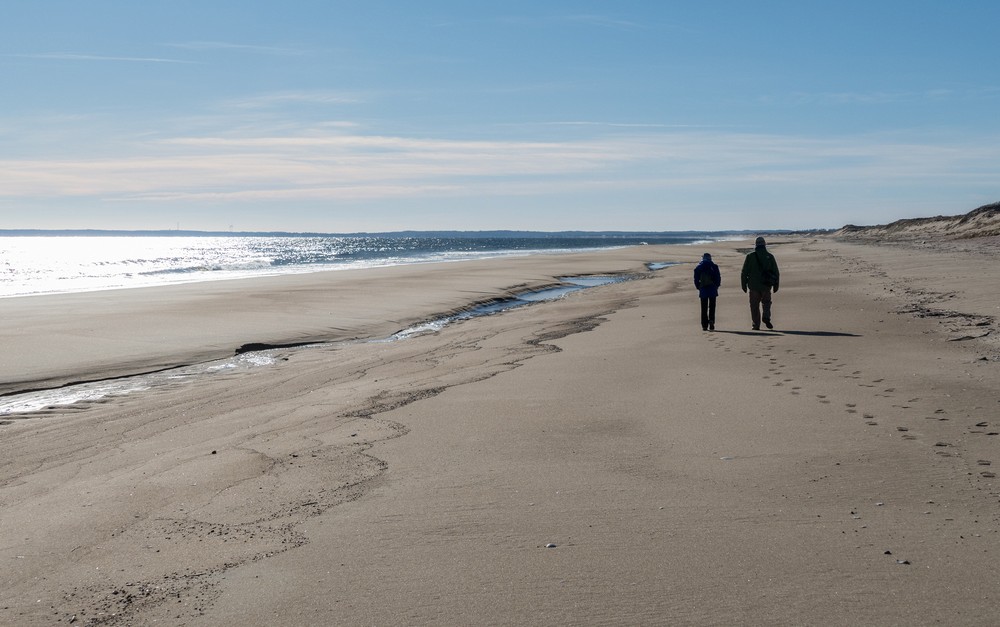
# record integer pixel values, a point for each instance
(382, 115)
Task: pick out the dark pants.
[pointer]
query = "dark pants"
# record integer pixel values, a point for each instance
(758, 301)
(707, 312)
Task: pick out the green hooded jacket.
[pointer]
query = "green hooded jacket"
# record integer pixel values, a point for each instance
(755, 265)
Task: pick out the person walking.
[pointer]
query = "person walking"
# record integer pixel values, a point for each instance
(707, 279)
(759, 276)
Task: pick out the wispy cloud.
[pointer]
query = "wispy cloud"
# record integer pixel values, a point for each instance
(69, 56)
(340, 166)
(276, 99)
(604, 21)
(881, 97)
(588, 19)
(627, 124)
(851, 98)
(223, 45)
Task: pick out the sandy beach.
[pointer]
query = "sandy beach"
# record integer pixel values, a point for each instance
(597, 459)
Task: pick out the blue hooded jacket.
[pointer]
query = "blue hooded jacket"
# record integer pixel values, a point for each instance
(707, 266)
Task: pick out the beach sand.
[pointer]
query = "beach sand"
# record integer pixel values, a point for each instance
(592, 460)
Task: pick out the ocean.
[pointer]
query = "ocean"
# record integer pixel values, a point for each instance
(45, 264)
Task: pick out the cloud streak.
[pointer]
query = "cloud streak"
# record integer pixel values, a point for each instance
(222, 45)
(882, 98)
(351, 166)
(70, 56)
(604, 21)
(277, 99)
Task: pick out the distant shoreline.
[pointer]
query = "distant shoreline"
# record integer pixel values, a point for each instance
(66, 263)
(499, 234)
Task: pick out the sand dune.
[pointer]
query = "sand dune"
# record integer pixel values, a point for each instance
(978, 223)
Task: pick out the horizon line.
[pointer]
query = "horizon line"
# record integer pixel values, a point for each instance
(412, 232)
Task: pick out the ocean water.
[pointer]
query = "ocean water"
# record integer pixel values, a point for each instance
(53, 264)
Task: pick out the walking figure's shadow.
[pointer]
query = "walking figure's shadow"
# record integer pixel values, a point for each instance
(790, 332)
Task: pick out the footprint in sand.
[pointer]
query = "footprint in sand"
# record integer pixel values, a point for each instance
(980, 428)
(906, 436)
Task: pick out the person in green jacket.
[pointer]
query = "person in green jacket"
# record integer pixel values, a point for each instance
(759, 277)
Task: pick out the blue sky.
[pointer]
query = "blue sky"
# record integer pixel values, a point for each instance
(377, 115)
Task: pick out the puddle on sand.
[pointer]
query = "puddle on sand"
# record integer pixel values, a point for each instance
(39, 400)
(569, 285)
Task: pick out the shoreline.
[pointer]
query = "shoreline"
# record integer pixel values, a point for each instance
(295, 271)
(826, 473)
(125, 264)
(135, 330)
(16, 405)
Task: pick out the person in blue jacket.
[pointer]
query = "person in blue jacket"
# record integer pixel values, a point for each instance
(707, 279)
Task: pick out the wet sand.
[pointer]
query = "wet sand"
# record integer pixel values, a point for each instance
(597, 459)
